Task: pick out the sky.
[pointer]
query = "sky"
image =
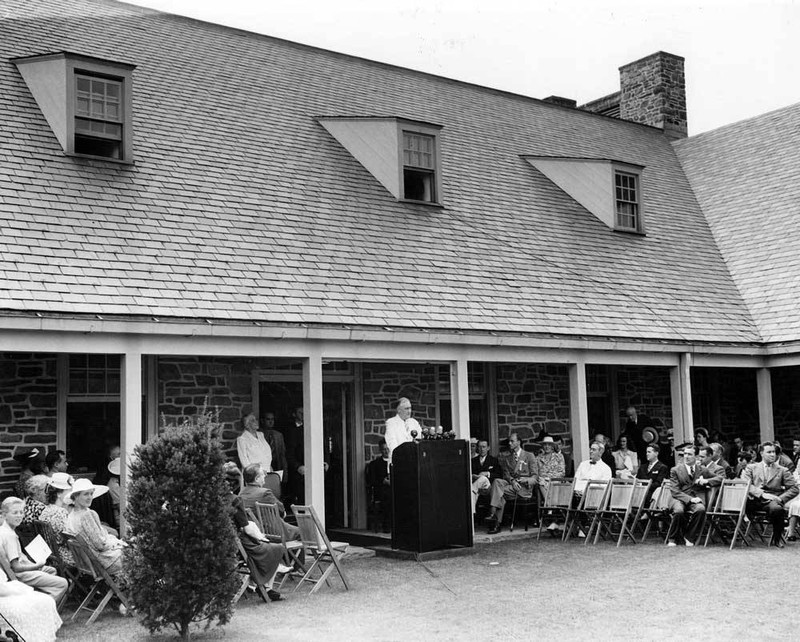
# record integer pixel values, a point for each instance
(742, 58)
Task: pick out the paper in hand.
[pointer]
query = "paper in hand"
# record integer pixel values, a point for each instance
(38, 550)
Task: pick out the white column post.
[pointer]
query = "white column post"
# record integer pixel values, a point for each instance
(685, 370)
(313, 435)
(131, 419)
(676, 396)
(766, 422)
(459, 398)
(578, 412)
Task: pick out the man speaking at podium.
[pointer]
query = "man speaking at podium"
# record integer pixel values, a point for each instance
(399, 427)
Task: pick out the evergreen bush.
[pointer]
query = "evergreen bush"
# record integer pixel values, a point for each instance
(182, 556)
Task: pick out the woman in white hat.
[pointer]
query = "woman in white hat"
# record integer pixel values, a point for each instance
(85, 523)
(56, 513)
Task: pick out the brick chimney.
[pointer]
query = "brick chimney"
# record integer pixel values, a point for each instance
(652, 91)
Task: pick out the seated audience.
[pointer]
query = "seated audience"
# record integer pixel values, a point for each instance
(771, 486)
(56, 513)
(83, 522)
(56, 462)
(485, 468)
(781, 457)
(550, 462)
(796, 451)
(102, 476)
(732, 449)
(379, 484)
(607, 455)
(624, 459)
(689, 481)
(744, 458)
(35, 498)
(666, 452)
(114, 489)
(593, 469)
(32, 461)
(793, 508)
(654, 470)
(520, 474)
(33, 615)
(717, 458)
(700, 437)
(254, 491)
(39, 576)
(266, 556)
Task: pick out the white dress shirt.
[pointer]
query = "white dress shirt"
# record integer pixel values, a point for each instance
(589, 471)
(399, 432)
(254, 449)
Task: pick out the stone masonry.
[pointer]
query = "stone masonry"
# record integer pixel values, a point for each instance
(648, 389)
(28, 406)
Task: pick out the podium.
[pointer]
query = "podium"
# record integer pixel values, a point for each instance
(431, 496)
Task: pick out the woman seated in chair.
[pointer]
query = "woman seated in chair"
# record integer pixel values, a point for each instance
(85, 523)
(626, 461)
(33, 615)
(266, 556)
(35, 499)
(56, 514)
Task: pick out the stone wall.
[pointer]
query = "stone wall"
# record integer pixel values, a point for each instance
(786, 403)
(653, 92)
(28, 407)
(383, 385)
(530, 398)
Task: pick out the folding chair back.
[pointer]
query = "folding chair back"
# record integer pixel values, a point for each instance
(729, 509)
(613, 510)
(640, 488)
(273, 482)
(559, 493)
(595, 495)
(87, 566)
(732, 497)
(621, 495)
(327, 554)
(659, 510)
(269, 517)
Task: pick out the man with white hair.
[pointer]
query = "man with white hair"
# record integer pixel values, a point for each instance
(400, 427)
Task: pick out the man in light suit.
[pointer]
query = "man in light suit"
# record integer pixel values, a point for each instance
(689, 483)
(520, 476)
(771, 486)
(400, 427)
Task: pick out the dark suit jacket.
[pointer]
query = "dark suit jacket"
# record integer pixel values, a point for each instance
(278, 445)
(489, 464)
(657, 475)
(633, 431)
(684, 488)
(728, 472)
(775, 479)
(608, 459)
(252, 494)
(377, 471)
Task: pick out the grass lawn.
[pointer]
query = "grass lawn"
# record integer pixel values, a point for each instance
(524, 590)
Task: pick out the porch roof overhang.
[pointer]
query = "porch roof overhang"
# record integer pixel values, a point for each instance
(175, 336)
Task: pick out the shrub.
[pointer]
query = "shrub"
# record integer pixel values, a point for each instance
(182, 556)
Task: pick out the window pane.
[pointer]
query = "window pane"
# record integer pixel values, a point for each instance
(418, 150)
(112, 89)
(83, 84)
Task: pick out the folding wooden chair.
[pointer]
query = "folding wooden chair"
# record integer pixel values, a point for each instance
(729, 510)
(633, 521)
(327, 555)
(557, 501)
(71, 573)
(273, 482)
(88, 564)
(618, 509)
(594, 496)
(246, 569)
(659, 511)
(269, 518)
(525, 503)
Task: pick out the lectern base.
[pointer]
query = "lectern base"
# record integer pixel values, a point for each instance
(399, 554)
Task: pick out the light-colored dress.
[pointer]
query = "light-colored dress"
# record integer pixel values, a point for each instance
(32, 614)
(626, 460)
(108, 548)
(57, 517)
(794, 505)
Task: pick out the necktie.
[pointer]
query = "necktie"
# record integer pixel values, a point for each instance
(691, 471)
(592, 463)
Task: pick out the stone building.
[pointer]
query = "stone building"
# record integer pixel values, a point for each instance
(196, 215)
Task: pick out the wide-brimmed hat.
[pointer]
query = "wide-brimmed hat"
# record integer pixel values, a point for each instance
(547, 439)
(81, 485)
(113, 466)
(29, 455)
(62, 481)
(649, 435)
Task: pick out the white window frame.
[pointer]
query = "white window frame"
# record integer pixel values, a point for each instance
(403, 127)
(636, 173)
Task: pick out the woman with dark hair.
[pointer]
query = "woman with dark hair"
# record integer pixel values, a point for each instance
(56, 513)
(626, 462)
(266, 556)
(32, 462)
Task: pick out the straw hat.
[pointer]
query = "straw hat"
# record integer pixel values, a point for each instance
(649, 435)
(113, 466)
(62, 481)
(81, 485)
(547, 439)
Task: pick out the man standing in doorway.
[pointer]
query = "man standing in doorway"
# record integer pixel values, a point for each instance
(399, 427)
(633, 429)
(277, 443)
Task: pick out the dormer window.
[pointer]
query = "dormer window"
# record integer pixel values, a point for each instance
(403, 155)
(626, 195)
(98, 116)
(419, 167)
(86, 101)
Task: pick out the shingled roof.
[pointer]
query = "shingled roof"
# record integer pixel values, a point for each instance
(746, 177)
(241, 206)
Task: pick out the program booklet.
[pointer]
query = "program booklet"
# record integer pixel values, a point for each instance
(38, 550)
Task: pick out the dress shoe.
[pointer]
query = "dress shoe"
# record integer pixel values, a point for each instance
(777, 543)
(496, 528)
(671, 543)
(274, 596)
(553, 526)
(688, 543)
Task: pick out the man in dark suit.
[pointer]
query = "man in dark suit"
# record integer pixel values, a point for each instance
(796, 451)
(485, 469)
(276, 443)
(607, 457)
(771, 486)
(254, 491)
(689, 483)
(715, 459)
(295, 456)
(652, 469)
(520, 474)
(379, 485)
(633, 429)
